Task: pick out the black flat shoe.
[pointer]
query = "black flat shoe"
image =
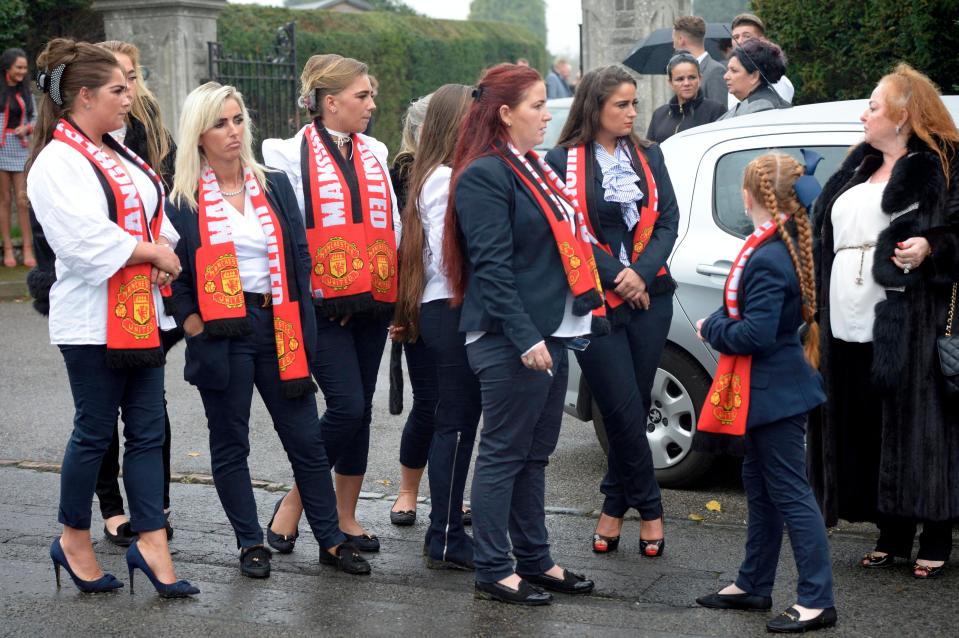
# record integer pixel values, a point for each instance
(347, 560)
(462, 564)
(255, 561)
(873, 560)
(124, 536)
(605, 544)
(788, 622)
(742, 602)
(652, 549)
(364, 542)
(403, 518)
(280, 542)
(526, 594)
(467, 517)
(570, 583)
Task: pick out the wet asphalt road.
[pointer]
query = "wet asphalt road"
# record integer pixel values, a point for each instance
(634, 595)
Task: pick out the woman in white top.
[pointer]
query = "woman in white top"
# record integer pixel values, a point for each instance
(101, 209)
(343, 187)
(244, 303)
(423, 314)
(884, 447)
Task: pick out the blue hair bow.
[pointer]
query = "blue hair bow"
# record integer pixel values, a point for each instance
(807, 187)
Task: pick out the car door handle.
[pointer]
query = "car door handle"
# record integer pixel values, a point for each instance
(718, 269)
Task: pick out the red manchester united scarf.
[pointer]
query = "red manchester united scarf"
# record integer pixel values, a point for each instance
(24, 142)
(133, 338)
(722, 420)
(576, 162)
(575, 248)
(218, 287)
(349, 224)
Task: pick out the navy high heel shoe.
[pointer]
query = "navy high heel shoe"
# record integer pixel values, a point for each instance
(179, 589)
(107, 582)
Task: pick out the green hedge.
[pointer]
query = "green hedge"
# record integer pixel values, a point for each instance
(409, 55)
(839, 50)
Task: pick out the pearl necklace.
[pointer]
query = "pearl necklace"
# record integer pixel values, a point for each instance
(234, 193)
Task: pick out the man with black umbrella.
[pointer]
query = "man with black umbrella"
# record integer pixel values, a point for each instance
(689, 34)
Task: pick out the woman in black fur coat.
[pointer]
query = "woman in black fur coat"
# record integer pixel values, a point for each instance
(885, 448)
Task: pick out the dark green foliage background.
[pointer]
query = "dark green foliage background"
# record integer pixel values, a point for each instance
(839, 50)
(528, 13)
(410, 56)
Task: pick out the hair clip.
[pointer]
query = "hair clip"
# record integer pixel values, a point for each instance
(477, 93)
(308, 101)
(49, 83)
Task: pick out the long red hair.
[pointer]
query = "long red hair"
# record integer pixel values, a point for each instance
(502, 84)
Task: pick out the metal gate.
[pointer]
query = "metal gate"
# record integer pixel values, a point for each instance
(268, 85)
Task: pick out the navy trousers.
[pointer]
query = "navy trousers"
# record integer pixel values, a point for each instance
(418, 431)
(98, 393)
(619, 369)
(345, 366)
(522, 412)
(778, 492)
(458, 410)
(108, 487)
(252, 364)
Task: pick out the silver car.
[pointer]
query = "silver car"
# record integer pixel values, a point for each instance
(706, 167)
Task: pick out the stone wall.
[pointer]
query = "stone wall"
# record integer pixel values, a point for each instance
(172, 36)
(613, 28)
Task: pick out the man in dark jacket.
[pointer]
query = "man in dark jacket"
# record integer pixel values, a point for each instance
(689, 34)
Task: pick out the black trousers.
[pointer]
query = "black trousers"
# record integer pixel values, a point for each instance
(418, 431)
(896, 534)
(108, 485)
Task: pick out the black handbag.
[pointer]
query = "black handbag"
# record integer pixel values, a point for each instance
(949, 351)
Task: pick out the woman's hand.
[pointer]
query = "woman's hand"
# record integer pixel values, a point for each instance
(537, 358)
(910, 253)
(397, 333)
(165, 260)
(160, 278)
(193, 325)
(699, 329)
(630, 286)
(22, 131)
(345, 319)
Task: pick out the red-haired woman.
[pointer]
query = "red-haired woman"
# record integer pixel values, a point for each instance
(522, 304)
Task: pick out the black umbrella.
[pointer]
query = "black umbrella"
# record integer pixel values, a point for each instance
(652, 55)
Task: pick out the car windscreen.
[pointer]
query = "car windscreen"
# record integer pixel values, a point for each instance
(554, 127)
(728, 181)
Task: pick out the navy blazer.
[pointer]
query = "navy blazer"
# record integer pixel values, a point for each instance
(516, 284)
(782, 383)
(607, 220)
(207, 358)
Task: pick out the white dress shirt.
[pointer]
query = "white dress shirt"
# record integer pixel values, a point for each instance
(71, 206)
(432, 207)
(250, 243)
(857, 220)
(285, 156)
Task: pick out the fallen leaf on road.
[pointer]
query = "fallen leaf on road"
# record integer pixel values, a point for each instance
(386, 482)
(697, 517)
(714, 506)
(193, 454)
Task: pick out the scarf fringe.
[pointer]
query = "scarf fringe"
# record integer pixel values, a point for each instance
(225, 328)
(340, 306)
(39, 282)
(296, 388)
(585, 303)
(118, 358)
(600, 326)
(396, 378)
(169, 306)
(712, 443)
(620, 315)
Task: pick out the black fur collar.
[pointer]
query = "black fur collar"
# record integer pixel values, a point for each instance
(916, 178)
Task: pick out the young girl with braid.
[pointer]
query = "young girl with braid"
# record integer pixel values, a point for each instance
(764, 387)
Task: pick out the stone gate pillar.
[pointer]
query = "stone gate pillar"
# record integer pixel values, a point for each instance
(172, 37)
(613, 28)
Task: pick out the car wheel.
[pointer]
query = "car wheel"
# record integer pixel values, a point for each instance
(679, 391)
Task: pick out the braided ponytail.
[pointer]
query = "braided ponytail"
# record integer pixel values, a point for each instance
(771, 179)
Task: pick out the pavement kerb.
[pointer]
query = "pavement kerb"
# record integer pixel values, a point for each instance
(270, 486)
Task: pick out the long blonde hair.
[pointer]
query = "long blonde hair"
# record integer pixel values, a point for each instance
(771, 179)
(201, 110)
(145, 107)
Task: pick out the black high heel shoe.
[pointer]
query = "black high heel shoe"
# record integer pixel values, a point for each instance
(874, 560)
(107, 582)
(280, 542)
(605, 544)
(652, 549)
(179, 589)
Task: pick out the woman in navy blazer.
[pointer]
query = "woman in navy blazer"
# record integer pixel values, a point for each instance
(503, 260)
(629, 199)
(244, 332)
(775, 296)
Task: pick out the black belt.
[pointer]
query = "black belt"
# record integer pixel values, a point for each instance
(258, 299)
